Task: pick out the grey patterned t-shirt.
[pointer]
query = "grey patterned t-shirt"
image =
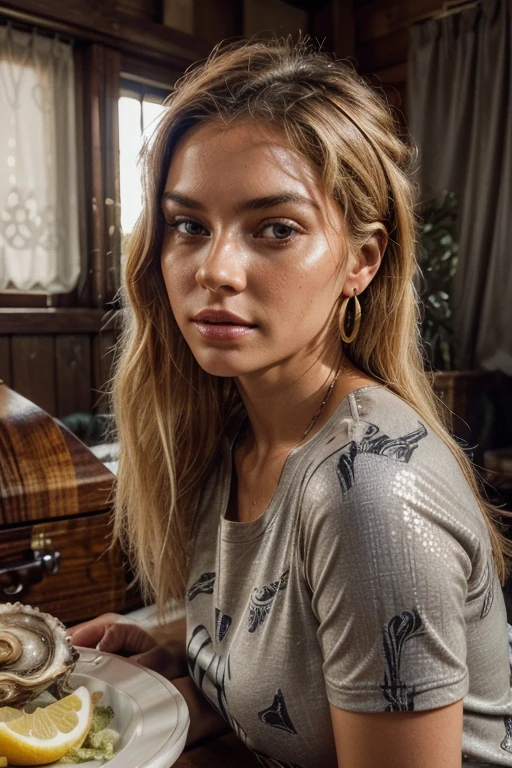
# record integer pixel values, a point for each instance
(368, 583)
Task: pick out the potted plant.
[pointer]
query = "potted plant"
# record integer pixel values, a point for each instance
(437, 260)
(461, 391)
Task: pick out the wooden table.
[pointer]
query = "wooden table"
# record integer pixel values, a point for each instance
(222, 752)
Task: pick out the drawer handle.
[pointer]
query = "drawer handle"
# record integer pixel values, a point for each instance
(16, 576)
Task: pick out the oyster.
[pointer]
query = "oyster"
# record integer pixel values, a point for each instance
(36, 655)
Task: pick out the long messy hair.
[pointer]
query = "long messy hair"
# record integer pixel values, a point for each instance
(170, 414)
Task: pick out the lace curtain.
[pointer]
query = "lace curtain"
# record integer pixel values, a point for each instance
(39, 242)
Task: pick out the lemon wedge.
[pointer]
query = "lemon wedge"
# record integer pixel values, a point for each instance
(9, 713)
(46, 734)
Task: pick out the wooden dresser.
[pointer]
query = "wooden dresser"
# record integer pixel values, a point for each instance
(55, 519)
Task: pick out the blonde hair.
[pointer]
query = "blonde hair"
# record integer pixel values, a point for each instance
(170, 414)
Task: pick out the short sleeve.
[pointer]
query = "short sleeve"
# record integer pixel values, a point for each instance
(387, 565)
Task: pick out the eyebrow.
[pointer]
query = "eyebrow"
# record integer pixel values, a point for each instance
(257, 203)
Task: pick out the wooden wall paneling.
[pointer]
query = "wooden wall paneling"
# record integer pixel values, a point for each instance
(343, 21)
(380, 17)
(73, 371)
(33, 370)
(140, 70)
(179, 14)
(93, 60)
(394, 75)
(83, 288)
(5, 360)
(32, 322)
(112, 201)
(216, 20)
(383, 52)
(321, 27)
(144, 9)
(102, 145)
(273, 17)
(103, 357)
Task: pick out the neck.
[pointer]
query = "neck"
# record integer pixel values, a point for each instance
(281, 408)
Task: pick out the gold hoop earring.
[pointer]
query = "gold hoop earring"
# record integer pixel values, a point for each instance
(348, 339)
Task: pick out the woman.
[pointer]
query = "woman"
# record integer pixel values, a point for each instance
(283, 464)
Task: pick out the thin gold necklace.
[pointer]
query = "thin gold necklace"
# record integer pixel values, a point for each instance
(315, 417)
(320, 410)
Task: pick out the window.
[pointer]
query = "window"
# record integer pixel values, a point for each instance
(39, 236)
(140, 107)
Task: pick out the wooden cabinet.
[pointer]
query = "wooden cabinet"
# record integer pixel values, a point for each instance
(55, 540)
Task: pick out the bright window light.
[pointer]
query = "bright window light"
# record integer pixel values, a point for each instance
(137, 118)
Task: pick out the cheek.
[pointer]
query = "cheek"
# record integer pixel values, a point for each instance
(176, 278)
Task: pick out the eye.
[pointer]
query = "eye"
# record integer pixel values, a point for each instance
(278, 231)
(187, 227)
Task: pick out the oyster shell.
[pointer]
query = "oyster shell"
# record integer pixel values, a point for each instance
(36, 654)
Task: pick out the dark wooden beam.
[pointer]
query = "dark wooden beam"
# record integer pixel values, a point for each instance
(343, 22)
(101, 139)
(217, 20)
(381, 17)
(309, 5)
(32, 322)
(384, 52)
(103, 22)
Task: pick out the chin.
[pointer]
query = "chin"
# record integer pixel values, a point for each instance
(222, 366)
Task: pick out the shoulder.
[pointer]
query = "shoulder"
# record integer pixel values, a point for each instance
(381, 466)
(379, 430)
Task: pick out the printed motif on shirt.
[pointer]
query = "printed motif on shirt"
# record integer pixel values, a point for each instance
(398, 631)
(262, 599)
(396, 448)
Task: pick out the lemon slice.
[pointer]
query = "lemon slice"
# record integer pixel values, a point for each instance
(9, 713)
(46, 734)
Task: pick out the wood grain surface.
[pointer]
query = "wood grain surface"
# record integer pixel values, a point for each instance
(91, 579)
(73, 369)
(45, 471)
(33, 363)
(5, 360)
(37, 476)
(32, 322)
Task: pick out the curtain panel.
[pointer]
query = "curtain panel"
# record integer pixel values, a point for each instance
(460, 115)
(39, 236)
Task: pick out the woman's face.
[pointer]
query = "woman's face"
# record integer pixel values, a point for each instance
(255, 255)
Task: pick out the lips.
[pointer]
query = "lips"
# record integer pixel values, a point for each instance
(221, 317)
(221, 326)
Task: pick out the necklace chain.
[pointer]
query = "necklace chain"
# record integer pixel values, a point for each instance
(316, 416)
(322, 406)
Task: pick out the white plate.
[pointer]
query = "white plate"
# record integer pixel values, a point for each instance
(151, 715)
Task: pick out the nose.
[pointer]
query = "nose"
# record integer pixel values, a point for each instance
(222, 267)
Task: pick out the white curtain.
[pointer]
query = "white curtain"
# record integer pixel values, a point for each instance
(39, 242)
(460, 113)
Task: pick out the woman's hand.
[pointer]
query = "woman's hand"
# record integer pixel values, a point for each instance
(111, 633)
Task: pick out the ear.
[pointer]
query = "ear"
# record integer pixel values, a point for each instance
(366, 262)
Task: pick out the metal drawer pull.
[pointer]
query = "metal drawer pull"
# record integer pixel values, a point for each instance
(16, 576)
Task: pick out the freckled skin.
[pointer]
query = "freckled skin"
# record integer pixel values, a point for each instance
(238, 260)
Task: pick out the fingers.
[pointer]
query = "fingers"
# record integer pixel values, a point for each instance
(89, 633)
(126, 638)
(112, 633)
